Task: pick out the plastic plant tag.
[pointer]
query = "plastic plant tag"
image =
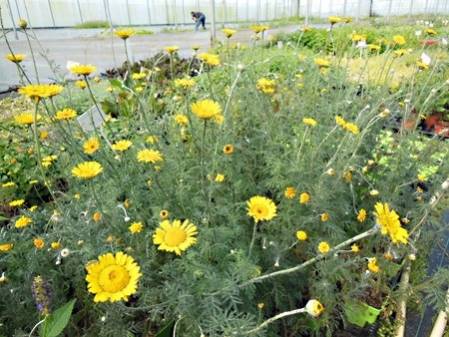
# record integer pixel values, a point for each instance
(360, 314)
(93, 114)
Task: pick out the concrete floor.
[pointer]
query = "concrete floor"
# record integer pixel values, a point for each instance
(89, 46)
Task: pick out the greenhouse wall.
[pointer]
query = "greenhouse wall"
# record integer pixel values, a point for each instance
(68, 13)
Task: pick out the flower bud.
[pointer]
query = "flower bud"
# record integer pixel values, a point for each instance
(314, 308)
(23, 24)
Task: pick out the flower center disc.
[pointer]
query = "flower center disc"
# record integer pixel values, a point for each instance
(114, 278)
(174, 237)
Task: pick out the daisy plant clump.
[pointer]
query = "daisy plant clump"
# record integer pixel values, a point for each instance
(258, 195)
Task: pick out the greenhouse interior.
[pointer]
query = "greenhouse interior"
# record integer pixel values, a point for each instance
(224, 168)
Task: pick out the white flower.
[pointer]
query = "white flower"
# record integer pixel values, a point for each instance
(418, 33)
(361, 44)
(65, 252)
(425, 59)
(314, 308)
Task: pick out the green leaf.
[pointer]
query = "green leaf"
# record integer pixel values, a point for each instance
(116, 83)
(166, 330)
(58, 320)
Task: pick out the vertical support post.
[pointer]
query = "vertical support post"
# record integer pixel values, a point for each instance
(213, 31)
(247, 10)
(27, 13)
(236, 11)
(105, 11)
(51, 13)
(358, 10)
(148, 12)
(410, 10)
(437, 7)
(320, 8)
(390, 7)
(14, 28)
(175, 14)
(345, 7)
(183, 7)
(426, 9)
(167, 13)
(306, 21)
(18, 10)
(266, 10)
(225, 13)
(258, 11)
(128, 13)
(78, 5)
(284, 8)
(298, 7)
(275, 9)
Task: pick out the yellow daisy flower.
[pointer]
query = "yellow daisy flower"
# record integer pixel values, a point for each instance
(210, 59)
(125, 33)
(171, 49)
(97, 216)
(290, 192)
(135, 227)
(304, 198)
(39, 243)
(112, 277)
(25, 118)
(324, 217)
(206, 109)
(361, 216)
(6, 247)
(65, 114)
(122, 145)
(301, 235)
(87, 170)
(91, 145)
(309, 121)
(149, 156)
(181, 119)
(372, 265)
(15, 58)
(228, 32)
(261, 208)
(83, 69)
(324, 247)
(175, 237)
(40, 91)
(389, 223)
(185, 83)
(399, 40)
(266, 85)
(23, 222)
(16, 203)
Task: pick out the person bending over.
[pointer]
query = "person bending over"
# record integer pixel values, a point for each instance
(200, 20)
